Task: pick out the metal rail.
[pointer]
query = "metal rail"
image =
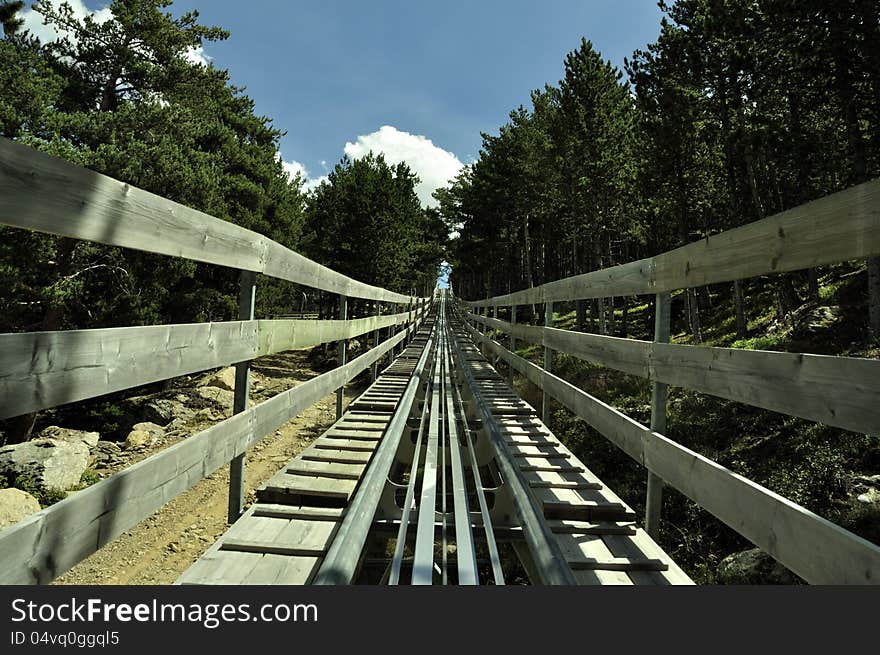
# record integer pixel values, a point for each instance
(340, 563)
(550, 562)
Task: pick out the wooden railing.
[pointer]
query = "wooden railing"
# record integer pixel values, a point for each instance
(44, 369)
(838, 391)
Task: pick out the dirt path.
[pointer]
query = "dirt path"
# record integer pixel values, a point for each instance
(161, 547)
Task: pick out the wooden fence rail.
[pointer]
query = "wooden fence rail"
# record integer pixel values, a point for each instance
(816, 549)
(43, 193)
(836, 228)
(838, 391)
(44, 369)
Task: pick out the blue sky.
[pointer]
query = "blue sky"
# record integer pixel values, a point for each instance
(333, 73)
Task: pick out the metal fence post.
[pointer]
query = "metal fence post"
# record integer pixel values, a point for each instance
(374, 369)
(548, 362)
(495, 316)
(409, 319)
(341, 348)
(654, 499)
(247, 287)
(512, 342)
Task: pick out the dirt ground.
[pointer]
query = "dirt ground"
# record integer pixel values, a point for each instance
(160, 548)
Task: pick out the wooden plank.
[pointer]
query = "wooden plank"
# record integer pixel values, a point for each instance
(618, 564)
(836, 228)
(584, 548)
(49, 542)
(837, 391)
(341, 456)
(362, 425)
(289, 484)
(351, 434)
(816, 549)
(221, 568)
(833, 229)
(345, 444)
(567, 504)
(555, 480)
(640, 544)
(539, 464)
(544, 451)
(308, 534)
(595, 528)
(43, 193)
(292, 512)
(245, 546)
(283, 570)
(280, 335)
(325, 469)
(46, 369)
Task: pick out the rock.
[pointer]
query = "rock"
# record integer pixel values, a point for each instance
(870, 497)
(868, 480)
(155, 430)
(223, 379)
(220, 396)
(138, 439)
(810, 320)
(90, 439)
(49, 463)
(105, 452)
(164, 410)
(16, 504)
(753, 566)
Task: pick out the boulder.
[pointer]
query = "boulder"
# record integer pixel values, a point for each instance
(870, 497)
(222, 379)
(138, 439)
(155, 430)
(164, 410)
(219, 396)
(16, 504)
(90, 439)
(49, 463)
(753, 566)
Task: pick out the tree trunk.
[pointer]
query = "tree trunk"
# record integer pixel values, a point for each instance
(528, 255)
(705, 297)
(874, 297)
(581, 315)
(611, 318)
(741, 326)
(624, 321)
(812, 285)
(787, 298)
(693, 312)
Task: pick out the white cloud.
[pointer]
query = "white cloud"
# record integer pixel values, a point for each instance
(294, 168)
(435, 166)
(197, 56)
(33, 21)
